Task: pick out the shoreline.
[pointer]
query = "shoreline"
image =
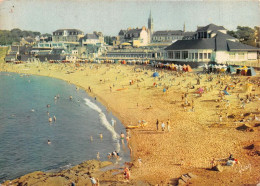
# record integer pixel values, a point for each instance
(154, 147)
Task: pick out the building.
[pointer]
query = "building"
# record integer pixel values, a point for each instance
(67, 35)
(134, 53)
(135, 37)
(95, 38)
(150, 24)
(209, 31)
(212, 44)
(167, 36)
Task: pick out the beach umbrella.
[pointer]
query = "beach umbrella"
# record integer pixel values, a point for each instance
(200, 90)
(155, 74)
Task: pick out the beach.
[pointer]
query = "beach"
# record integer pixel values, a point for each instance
(202, 127)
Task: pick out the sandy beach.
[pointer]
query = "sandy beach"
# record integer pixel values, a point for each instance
(201, 127)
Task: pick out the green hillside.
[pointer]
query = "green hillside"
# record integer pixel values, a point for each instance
(3, 51)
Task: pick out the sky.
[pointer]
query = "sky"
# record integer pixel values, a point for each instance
(110, 16)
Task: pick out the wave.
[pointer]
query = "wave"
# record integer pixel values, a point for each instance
(104, 121)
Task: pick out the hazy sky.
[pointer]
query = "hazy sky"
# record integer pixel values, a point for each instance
(109, 16)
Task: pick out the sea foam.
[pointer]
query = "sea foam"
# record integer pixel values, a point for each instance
(104, 121)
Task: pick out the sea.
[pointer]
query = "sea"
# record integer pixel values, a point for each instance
(25, 128)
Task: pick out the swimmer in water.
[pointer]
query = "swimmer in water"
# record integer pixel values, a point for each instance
(49, 142)
(48, 106)
(98, 156)
(32, 110)
(50, 119)
(70, 97)
(54, 118)
(101, 135)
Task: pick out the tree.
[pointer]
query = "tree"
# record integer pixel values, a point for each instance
(246, 35)
(232, 33)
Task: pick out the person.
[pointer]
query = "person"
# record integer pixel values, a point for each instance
(50, 119)
(101, 135)
(93, 181)
(168, 125)
(157, 124)
(48, 106)
(127, 138)
(49, 142)
(213, 163)
(114, 154)
(122, 135)
(127, 173)
(54, 118)
(109, 155)
(163, 126)
(98, 156)
(113, 123)
(70, 97)
(91, 138)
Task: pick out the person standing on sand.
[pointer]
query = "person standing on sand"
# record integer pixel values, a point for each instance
(93, 181)
(163, 126)
(157, 124)
(168, 125)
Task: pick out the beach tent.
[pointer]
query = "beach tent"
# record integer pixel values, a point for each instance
(184, 68)
(231, 69)
(244, 71)
(156, 74)
(251, 71)
(188, 69)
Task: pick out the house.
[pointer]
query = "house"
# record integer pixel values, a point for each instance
(209, 31)
(167, 36)
(212, 44)
(27, 41)
(95, 38)
(135, 37)
(67, 35)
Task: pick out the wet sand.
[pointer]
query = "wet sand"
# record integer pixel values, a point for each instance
(195, 137)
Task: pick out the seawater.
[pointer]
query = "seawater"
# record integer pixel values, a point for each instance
(25, 129)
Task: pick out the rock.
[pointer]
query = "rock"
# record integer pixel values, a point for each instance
(245, 127)
(218, 168)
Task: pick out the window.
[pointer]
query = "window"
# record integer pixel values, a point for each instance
(192, 56)
(200, 55)
(196, 55)
(231, 55)
(209, 55)
(184, 54)
(177, 55)
(205, 55)
(241, 55)
(205, 35)
(170, 54)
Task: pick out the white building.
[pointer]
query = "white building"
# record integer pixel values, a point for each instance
(211, 45)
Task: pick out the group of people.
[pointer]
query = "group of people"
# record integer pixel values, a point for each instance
(113, 154)
(163, 126)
